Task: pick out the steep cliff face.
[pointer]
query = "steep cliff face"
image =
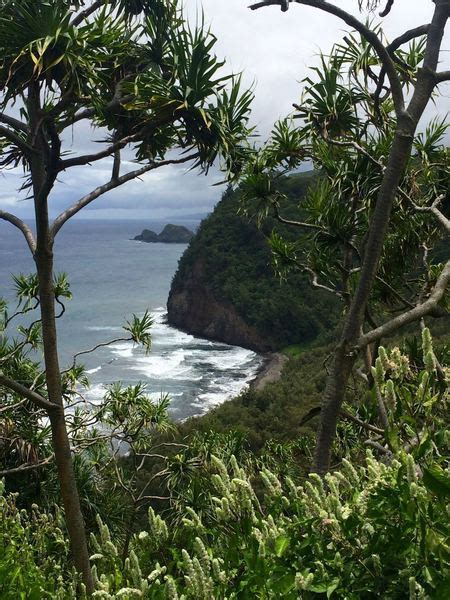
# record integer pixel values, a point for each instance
(225, 287)
(194, 308)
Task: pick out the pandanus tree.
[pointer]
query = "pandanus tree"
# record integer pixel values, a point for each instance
(150, 85)
(378, 205)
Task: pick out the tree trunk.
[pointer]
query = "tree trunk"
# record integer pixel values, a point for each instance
(61, 444)
(43, 166)
(345, 354)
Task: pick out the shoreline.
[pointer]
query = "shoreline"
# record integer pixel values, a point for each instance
(270, 371)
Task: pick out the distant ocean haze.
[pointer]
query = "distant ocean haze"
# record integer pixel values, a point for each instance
(111, 277)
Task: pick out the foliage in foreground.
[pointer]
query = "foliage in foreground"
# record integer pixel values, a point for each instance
(379, 529)
(371, 531)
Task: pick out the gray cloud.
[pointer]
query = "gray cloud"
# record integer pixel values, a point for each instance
(274, 50)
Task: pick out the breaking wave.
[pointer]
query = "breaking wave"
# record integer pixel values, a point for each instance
(198, 374)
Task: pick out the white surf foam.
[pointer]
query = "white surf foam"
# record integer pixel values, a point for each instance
(105, 328)
(124, 350)
(159, 366)
(95, 393)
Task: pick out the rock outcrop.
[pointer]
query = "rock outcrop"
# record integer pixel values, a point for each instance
(171, 234)
(147, 235)
(193, 307)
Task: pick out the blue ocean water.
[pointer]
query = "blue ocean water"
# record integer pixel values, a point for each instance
(112, 277)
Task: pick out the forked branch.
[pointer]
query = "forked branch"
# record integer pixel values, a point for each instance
(25, 392)
(23, 227)
(113, 183)
(26, 467)
(370, 36)
(429, 307)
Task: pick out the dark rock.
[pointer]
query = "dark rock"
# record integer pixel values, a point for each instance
(147, 236)
(194, 308)
(171, 234)
(175, 234)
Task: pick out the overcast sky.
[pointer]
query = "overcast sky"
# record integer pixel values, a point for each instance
(274, 50)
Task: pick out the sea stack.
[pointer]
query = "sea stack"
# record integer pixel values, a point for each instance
(171, 234)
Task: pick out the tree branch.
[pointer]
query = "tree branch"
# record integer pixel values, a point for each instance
(442, 76)
(100, 345)
(34, 397)
(366, 33)
(276, 211)
(113, 183)
(315, 282)
(84, 14)
(347, 415)
(12, 122)
(426, 74)
(433, 209)
(416, 313)
(407, 37)
(28, 234)
(15, 139)
(29, 467)
(90, 158)
(315, 411)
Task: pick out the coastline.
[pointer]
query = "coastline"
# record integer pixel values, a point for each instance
(270, 370)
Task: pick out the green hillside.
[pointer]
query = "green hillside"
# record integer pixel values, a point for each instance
(235, 259)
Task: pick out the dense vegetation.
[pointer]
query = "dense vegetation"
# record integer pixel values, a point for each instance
(255, 528)
(231, 510)
(237, 268)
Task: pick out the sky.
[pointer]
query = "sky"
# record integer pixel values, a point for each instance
(274, 50)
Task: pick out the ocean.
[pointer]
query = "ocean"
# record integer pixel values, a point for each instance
(111, 277)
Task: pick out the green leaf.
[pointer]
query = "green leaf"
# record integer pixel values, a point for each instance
(436, 480)
(332, 587)
(281, 545)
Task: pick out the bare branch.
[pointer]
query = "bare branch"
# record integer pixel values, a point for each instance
(113, 183)
(442, 76)
(27, 467)
(276, 211)
(313, 412)
(12, 122)
(387, 8)
(315, 282)
(407, 37)
(84, 114)
(426, 74)
(346, 415)
(116, 166)
(84, 14)
(430, 306)
(101, 345)
(23, 228)
(12, 406)
(369, 35)
(15, 139)
(378, 446)
(352, 144)
(34, 397)
(146, 498)
(433, 209)
(90, 158)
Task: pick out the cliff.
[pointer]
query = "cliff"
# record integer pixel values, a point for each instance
(171, 234)
(195, 308)
(225, 288)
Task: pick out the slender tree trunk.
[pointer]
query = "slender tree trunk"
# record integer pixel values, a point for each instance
(345, 354)
(43, 176)
(61, 445)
